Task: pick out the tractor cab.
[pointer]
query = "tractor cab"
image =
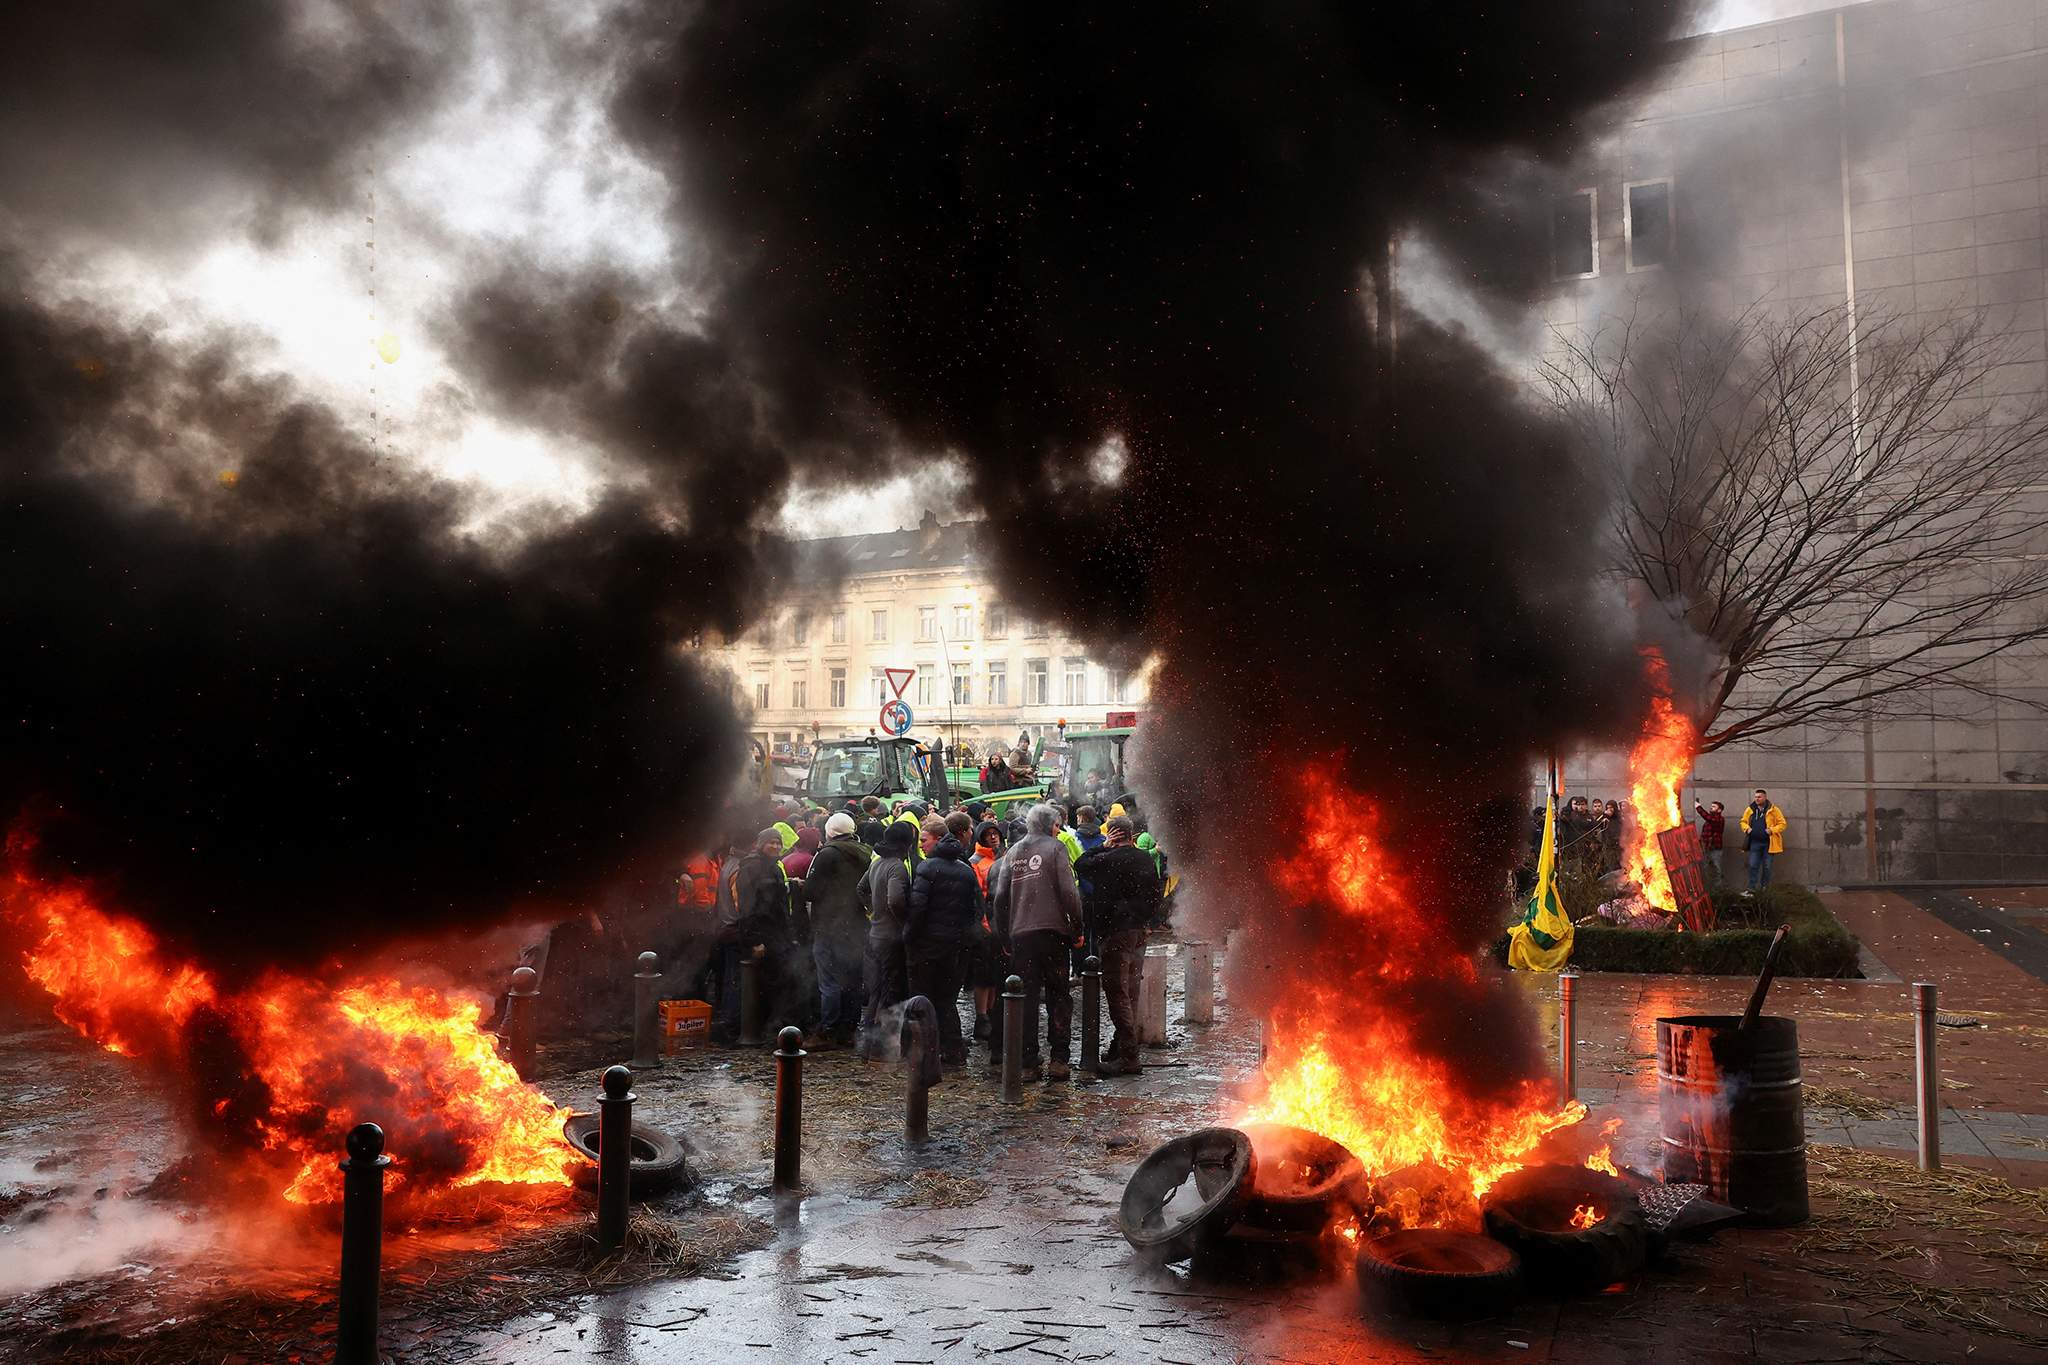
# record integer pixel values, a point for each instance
(892, 769)
(1092, 768)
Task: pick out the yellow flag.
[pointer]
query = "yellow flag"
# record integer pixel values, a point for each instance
(1542, 942)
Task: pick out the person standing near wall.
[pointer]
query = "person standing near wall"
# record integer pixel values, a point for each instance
(1763, 836)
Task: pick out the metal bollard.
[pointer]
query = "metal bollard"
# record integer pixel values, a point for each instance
(1926, 1076)
(1013, 1040)
(916, 1094)
(647, 1013)
(614, 1158)
(1198, 985)
(522, 1009)
(362, 1249)
(789, 1108)
(750, 1002)
(1091, 1021)
(1567, 1036)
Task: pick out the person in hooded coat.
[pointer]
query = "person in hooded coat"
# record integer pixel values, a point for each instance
(797, 862)
(884, 893)
(945, 905)
(839, 927)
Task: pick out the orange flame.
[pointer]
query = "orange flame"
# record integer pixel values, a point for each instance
(1365, 1084)
(1584, 1216)
(1657, 766)
(315, 1059)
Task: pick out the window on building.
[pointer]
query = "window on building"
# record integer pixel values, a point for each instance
(998, 682)
(998, 623)
(1035, 630)
(924, 687)
(878, 624)
(963, 623)
(1647, 224)
(1074, 683)
(800, 631)
(963, 687)
(836, 688)
(1575, 235)
(927, 623)
(1119, 685)
(760, 694)
(879, 684)
(799, 693)
(839, 627)
(1037, 682)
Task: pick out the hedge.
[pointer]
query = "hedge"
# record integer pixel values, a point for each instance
(1817, 945)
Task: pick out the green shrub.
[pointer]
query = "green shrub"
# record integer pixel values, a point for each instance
(1817, 945)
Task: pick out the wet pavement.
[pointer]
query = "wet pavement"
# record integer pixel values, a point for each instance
(998, 1240)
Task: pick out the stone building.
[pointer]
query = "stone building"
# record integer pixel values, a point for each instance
(922, 599)
(1891, 155)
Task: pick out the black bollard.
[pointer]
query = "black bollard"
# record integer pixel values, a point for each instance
(789, 1109)
(362, 1249)
(916, 1094)
(750, 1002)
(1013, 1040)
(647, 1013)
(614, 1158)
(522, 1010)
(1091, 1021)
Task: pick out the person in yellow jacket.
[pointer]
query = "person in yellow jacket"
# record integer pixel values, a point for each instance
(1763, 837)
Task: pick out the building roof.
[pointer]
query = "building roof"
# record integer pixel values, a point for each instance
(931, 544)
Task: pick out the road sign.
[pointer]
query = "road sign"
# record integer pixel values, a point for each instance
(899, 678)
(896, 717)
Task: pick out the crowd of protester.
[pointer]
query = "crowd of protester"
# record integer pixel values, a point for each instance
(847, 915)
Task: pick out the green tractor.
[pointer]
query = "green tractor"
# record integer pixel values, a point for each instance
(897, 769)
(902, 769)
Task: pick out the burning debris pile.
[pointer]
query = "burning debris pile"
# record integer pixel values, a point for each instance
(1658, 763)
(1346, 1057)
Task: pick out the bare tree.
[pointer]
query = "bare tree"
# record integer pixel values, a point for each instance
(1840, 509)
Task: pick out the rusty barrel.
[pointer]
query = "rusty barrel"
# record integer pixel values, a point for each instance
(1730, 1112)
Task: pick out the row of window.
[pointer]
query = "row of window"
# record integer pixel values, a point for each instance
(995, 626)
(1648, 228)
(995, 681)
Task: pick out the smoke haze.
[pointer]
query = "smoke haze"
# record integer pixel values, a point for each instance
(315, 708)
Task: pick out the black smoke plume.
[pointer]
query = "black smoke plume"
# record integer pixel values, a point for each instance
(1017, 231)
(1006, 232)
(302, 709)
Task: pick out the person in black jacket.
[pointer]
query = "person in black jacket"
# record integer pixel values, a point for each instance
(767, 928)
(839, 927)
(945, 903)
(1120, 895)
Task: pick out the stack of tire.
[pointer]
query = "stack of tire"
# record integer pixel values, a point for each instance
(1202, 1197)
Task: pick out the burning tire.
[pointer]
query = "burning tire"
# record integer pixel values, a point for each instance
(1575, 1229)
(1187, 1194)
(1432, 1273)
(660, 1161)
(1301, 1184)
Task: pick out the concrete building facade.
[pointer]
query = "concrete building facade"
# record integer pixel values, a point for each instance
(1890, 155)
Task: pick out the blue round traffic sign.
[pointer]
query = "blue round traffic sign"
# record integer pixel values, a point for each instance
(896, 716)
